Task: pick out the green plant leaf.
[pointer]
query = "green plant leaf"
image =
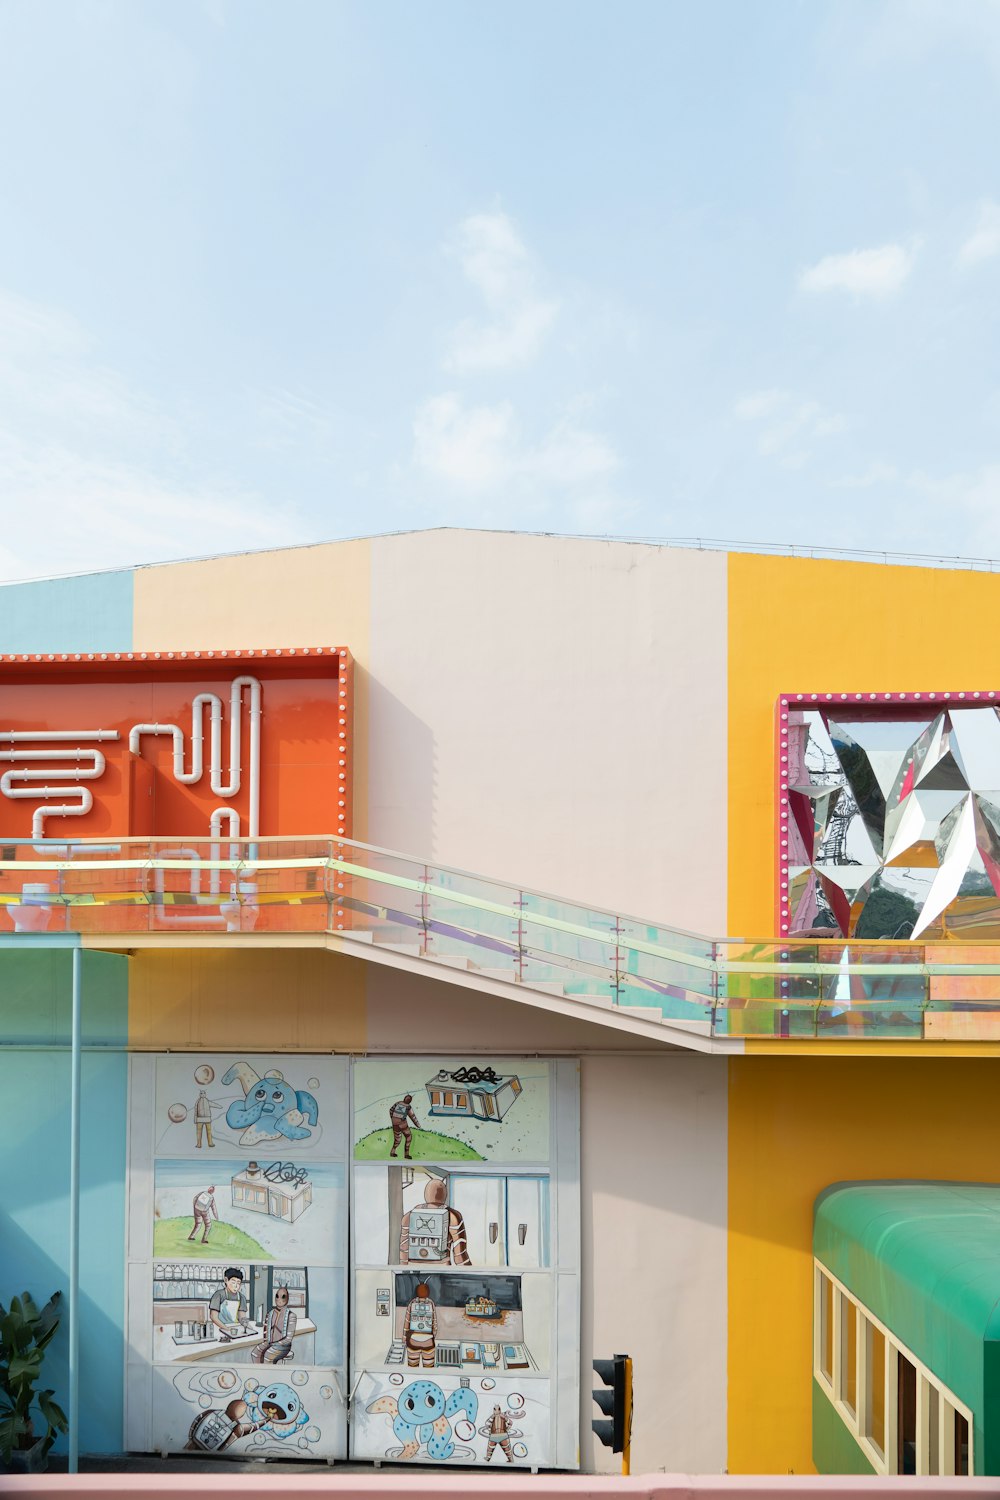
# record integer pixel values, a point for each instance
(48, 1319)
(53, 1414)
(24, 1367)
(11, 1428)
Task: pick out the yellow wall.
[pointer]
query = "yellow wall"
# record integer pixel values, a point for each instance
(289, 1000)
(299, 596)
(798, 625)
(798, 1123)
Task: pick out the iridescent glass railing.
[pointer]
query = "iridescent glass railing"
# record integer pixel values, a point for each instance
(791, 988)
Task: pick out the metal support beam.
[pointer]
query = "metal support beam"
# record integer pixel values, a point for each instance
(74, 1220)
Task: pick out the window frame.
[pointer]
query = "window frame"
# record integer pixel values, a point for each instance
(948, 1404)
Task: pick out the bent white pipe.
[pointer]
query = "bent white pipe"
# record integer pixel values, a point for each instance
(160, 916)
(221, 786)
(19, 773)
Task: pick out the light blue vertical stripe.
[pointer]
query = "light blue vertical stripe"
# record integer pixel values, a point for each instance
(89, 613)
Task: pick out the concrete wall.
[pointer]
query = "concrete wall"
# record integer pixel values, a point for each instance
(552, 711)
(526, 706)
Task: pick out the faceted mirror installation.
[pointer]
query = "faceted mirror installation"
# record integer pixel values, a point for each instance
(890, 823)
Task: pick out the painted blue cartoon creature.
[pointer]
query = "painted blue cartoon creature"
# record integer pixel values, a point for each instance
(270, 1107)
(276, 1410)
(422, 1414)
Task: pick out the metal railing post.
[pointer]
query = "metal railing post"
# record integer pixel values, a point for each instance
(74, 1220)
(425, 912)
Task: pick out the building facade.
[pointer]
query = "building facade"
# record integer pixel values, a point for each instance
(602, 721)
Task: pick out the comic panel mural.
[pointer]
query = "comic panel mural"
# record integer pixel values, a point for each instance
(461, 1322)
(240, 1106)
(260, 1210)
(238, 1220)
(465, 1212)
(452, 1419)
(415, 1109)
(440, 1216)
(247, 1314)
(233, 1411)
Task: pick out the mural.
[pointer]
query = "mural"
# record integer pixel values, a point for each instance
(227, 1411)
(455, 1321)
(452, 1419)
(446, 1110)
(258, 1314)
(458, 1332)
(233, 1105)
(465, 1348)
(257, 1210)
(439, 1216)
(890, 822)
(237, 1318)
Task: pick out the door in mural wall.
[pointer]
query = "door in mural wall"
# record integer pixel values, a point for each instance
(465, 1263)
(237, 1247)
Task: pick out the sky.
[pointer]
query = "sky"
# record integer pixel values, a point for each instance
(277, 273)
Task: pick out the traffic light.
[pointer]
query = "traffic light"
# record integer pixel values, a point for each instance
(615, 1403)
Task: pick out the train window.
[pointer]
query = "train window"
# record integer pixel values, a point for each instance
(874, 1428)
(848, 1353)
(906, 1415)
(904, 1419)
(961, 1444)
(933, 1464)
(826, 1326)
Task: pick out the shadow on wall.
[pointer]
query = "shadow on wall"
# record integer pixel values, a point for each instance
(34, 1172)
(402, 776)
(26, 1267)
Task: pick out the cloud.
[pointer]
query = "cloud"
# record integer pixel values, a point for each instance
(90, 466)
(788, 425)
(968, 501)
(876, 273)
(984, 242)
(496, 262)
(480, 448)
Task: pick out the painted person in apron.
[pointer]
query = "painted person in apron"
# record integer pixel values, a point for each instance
(228, 1307)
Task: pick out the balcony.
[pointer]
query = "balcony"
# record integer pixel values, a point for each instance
(352, 897)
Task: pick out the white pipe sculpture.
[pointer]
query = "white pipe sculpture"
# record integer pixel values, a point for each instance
(223, 787)
(88, 765)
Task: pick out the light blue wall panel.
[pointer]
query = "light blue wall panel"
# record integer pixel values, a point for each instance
(34, 1169)
(89, 613)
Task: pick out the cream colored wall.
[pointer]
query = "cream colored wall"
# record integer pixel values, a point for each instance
(552, 711)
(653, 1194)
(299, 596)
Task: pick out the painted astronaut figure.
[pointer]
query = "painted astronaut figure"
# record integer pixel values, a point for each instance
(203, 1120)
(204, 1210)
(498, 1432)
(279, 1330)
(400, 1115)
(420, 1329)
(433, 1233)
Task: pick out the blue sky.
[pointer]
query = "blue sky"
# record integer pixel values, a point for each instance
(282, 272)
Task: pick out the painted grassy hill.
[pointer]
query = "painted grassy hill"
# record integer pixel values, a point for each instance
(428, 1145)
(170, 1239)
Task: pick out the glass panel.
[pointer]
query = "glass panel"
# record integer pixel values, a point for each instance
(849, 1354)
(906, 1416)
(933, 1429)
(826, 1325)
(961, 1444)
(875, 1414)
